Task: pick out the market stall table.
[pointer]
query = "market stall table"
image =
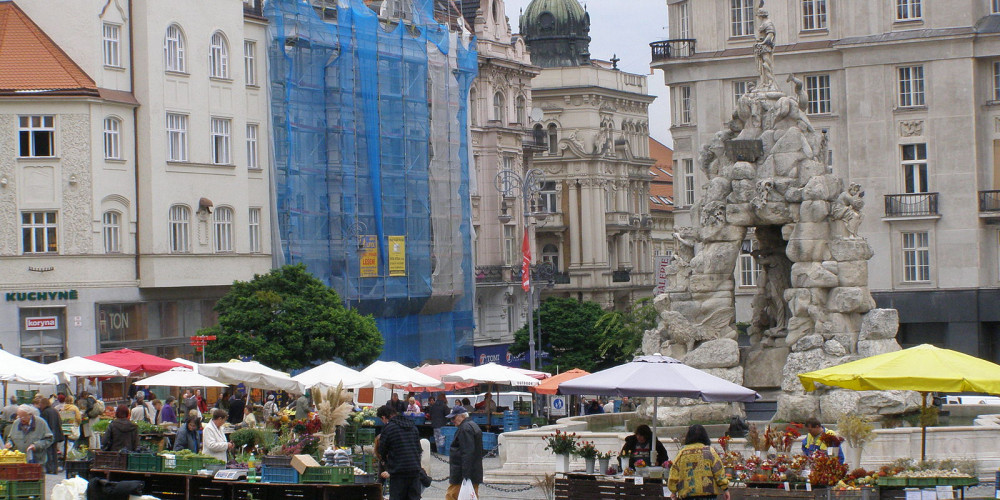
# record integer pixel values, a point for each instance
(573, 486)
(193, 487)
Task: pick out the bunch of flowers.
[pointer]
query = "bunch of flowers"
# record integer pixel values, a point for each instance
(640, 463)
(605, 455)
(759, 441)
(831, 440)
(586, 449)
(792, 432)
(561, 443)
(307, 425)
(827, 470)
(724, 443)
(306, 444)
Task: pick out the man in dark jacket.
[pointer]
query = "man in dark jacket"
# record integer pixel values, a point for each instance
(394, 403)
(51, 417)
(399, 447)
(465, 459)
(438, 411)
(236, 405)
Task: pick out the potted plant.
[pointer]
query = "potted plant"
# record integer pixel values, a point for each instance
(588, 452)
(604, 460)
(857, 431)
(562, 444)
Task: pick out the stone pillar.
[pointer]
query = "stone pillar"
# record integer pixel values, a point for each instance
(587, 233)
(624, 253)
(574, 215)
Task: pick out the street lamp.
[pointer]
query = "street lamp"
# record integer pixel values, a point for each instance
(510, 185)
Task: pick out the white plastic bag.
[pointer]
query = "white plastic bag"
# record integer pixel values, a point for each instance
(70, 489)
(467, 492)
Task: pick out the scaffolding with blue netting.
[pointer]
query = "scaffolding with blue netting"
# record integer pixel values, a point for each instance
(371, 164)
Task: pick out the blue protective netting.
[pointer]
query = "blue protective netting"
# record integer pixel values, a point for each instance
(370, 139)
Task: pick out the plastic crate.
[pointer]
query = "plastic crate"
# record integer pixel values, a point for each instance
(277, 460)
(76, 468)
(957, 481)
(364, 462)
(365, 479)
(13, 459)
(21, 472)
(417, 419)
(891, 481)
(110, 460)
(366, 435)
(279, 475)
(25, 397)
(328, 475)
(144, 462)
(489, 441)
(449, 431)
(446, 448)
(478, 418)
(185, 464)
(922, 481)
(24, 489)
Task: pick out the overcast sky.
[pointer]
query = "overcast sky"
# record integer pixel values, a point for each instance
(626, 28)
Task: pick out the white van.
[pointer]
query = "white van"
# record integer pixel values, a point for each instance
(505, 399)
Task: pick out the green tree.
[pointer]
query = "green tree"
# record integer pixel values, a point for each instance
(286, 319)
(569, 333)
(622, 331)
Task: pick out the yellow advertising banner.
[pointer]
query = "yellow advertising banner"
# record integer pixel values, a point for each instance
(397, 256)
(369, 256)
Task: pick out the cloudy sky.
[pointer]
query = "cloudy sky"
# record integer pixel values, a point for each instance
(625, 28)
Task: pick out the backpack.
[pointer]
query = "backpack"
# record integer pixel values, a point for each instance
(96, 409)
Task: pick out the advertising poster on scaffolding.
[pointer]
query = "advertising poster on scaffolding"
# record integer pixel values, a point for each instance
(369, 255)
(397, 256)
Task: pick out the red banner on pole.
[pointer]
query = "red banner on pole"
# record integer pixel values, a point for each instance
(525, 262)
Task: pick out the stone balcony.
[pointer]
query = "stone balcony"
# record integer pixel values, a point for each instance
(989, 204)
(617, 220)
(554, 222)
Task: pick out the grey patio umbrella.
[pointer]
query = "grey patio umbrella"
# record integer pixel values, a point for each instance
(658, 376)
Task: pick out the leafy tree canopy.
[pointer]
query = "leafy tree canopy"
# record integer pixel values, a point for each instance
(622, 331)
(286, 319)
(570, 333)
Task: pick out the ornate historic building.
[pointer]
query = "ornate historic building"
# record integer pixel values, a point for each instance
(905, 96)
(593, 120)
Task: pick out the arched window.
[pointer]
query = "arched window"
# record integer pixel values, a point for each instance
(111, 224)
(112, 138)
(550, 253)
(222, 226)
(553, 139)
(473, 107)
(519, 110)
(499, 111)
(178, 222)
(539, 135)
(173, 49)
(218, 56)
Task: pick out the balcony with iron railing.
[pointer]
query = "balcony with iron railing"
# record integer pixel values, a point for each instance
(490, 274)
(678, 48)
(989, 203)
(911, 205)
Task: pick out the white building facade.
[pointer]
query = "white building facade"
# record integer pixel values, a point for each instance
(906, 92)
(160, 187)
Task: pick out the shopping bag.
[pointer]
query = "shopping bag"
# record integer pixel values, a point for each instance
(467, 492)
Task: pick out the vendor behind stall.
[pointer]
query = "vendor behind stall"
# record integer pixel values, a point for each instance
(814, 439)
(122, 433)
(637, 447)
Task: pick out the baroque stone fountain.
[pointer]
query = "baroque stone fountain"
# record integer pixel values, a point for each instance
(812, 308)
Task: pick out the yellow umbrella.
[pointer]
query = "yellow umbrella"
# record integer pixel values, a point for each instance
(923, 368)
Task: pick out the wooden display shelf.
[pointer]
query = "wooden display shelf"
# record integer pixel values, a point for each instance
(595, 487)
(190, 487)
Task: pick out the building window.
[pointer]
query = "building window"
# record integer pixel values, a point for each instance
(740, 87)
(749, 267)
(547, 197)
(683, 20)
(509, 245)
(254, 230)
(473, 107)
(36, 136)
(511, 321)
(519, 108)
(173, 49)
(178, 221)
(38, 232)
(218, 57)
(252, 162)
(177, 137)
(916, 257)
(996, 76)
(111, 224)
(250, 62)
(112, 138)
(813, 14)
(684, 105)
(915, 168)
(220, 140)
(553, 139)
(911, 86)
(908, 10)
(550, 253)
(222, 229)
(112, 45)
(688, 181)
(741, 17)
(498, 108)
(995, 7)
(818, 91)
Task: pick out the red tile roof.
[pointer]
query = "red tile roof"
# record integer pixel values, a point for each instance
(31, 63)
(661, 187)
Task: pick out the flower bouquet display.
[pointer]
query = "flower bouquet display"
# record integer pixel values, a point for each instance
(588, 452)
(562, 444)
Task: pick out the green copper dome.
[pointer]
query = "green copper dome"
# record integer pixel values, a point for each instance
(557, 33)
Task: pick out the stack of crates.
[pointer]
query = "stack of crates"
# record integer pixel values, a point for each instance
(328, 475)
(21, 481)
(511, 420)
(489, 441)
(25, 397)
(364, 462)
(278, 469)
(448, 432)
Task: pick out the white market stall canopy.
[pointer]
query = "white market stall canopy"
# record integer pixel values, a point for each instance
(491, 373)
(19, 370)
(77, 366)
(179, 377)
(393, 373)
(251, 374)
(330, 374)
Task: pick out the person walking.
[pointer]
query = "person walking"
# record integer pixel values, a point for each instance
(697, 473)
(399, 448)
(30, 435)
(627, 405)
(465, 460)
(51, 417)
(270, 409)
(438, 410)
(122, 433)
(92, 409)
(216, 445)
(140, 411)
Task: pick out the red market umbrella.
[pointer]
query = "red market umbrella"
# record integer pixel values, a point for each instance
(550, 386)
(438, 371)
(136, 362)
